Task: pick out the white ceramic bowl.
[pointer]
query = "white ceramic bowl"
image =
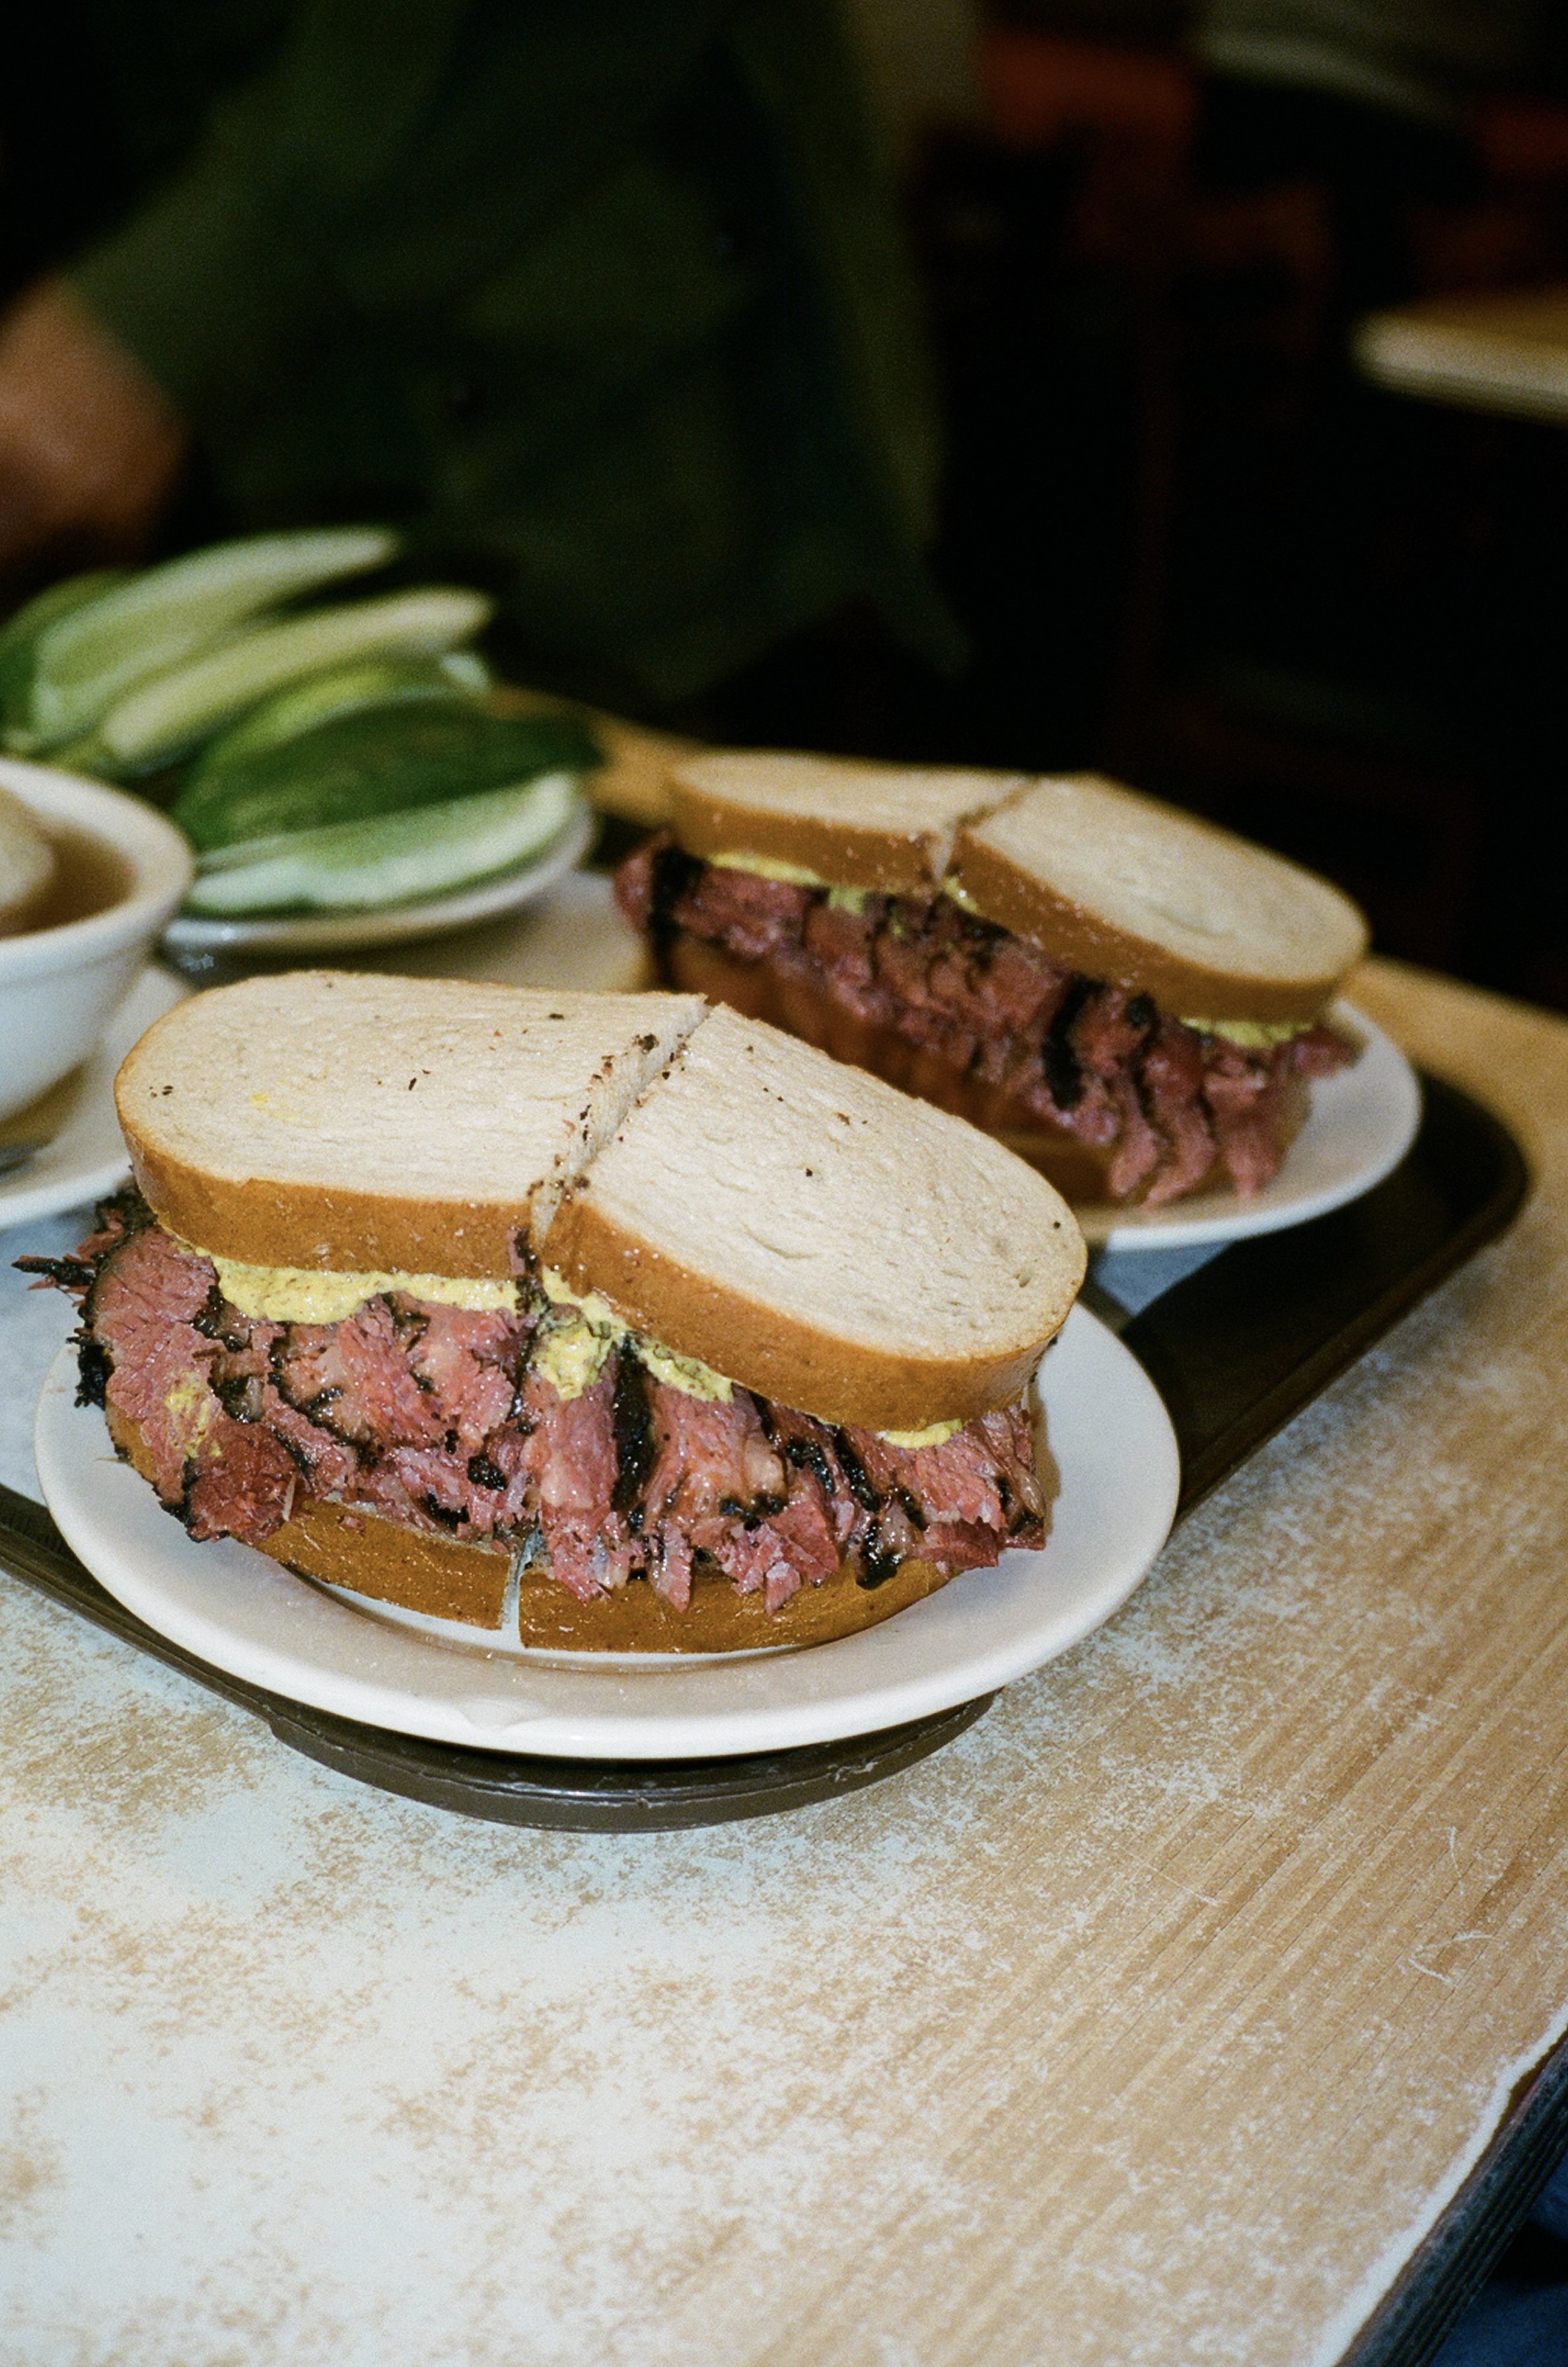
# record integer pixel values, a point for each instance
(58, 986)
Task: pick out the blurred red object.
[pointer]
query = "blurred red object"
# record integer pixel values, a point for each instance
(1040, 88)
(1128, 113)
(1522, 139)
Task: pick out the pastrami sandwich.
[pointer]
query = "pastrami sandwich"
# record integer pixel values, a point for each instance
(1134, 1000)
(612, 1321)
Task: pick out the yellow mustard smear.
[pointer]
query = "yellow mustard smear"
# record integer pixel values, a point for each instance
(190, 1397)
(579, 1331)
(1251, 1034)
(769, 867)
(292, 1294)
(570, 1353)
(578, 1334)
(936, 1433)
(571, 1349)
(793, 874)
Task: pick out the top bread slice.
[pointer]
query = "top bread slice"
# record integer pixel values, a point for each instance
(362, 1124)
(1131, 891)
(802, 1228)
(820, 1238)
(851, 824)
(1107, 881)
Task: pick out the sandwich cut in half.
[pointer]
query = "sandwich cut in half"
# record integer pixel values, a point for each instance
(606, 1321)
(1131, 998)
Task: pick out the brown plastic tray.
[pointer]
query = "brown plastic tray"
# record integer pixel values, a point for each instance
(1235, 1350)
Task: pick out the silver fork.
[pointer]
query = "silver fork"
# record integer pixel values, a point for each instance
(16, 1154)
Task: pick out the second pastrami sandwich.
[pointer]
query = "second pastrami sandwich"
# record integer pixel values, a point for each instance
(1136, 1000)
(609, 1322)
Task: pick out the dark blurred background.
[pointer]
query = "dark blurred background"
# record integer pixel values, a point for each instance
(1187, 541)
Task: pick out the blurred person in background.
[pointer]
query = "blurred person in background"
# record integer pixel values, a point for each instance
(604, 304)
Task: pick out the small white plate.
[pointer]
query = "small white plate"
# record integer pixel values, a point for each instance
(1361, 1124)
(325, 932)
(232, 1607)
(85, 1156)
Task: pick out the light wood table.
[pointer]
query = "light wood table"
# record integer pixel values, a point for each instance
(1155, 2020)
(1506, 352)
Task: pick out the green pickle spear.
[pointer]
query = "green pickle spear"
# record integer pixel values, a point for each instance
(166, 718)
(22, 632)
(393, 858)
(358, 766)
(461, 674)
(91, 656)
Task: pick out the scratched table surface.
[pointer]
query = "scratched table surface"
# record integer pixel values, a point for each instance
(1156, 2020)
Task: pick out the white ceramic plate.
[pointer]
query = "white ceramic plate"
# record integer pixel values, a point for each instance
(1361, 1124)
(325, 932)
(234, 1608)
(85, 1156)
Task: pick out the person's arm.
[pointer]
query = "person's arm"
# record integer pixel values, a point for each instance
(90, 444)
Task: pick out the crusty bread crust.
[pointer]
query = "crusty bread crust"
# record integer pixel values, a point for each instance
(739, 803)
(269, 1222)
(1015, 891)
(931, 823)
(776, 1354)
(233, 1181)
(127, 1439)
(266, 1221)
(836, 852)
(370, 1555)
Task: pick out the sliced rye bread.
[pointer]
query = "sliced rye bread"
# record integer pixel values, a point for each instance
(1105, 879)
(850, 823)
(441, 1580)
(820, 1238)
(363, 1124)
(1130, 890)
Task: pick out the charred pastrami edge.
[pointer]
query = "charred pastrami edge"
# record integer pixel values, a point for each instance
(952, 1005)
(116, 1218)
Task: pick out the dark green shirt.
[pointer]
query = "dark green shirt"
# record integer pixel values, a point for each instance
(604, 299)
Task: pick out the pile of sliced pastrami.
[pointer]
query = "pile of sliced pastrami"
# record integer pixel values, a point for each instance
(1167, 1105)
(438, 1417)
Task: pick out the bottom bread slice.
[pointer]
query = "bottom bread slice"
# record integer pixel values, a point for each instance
(434, 1576)
(440, 1578)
